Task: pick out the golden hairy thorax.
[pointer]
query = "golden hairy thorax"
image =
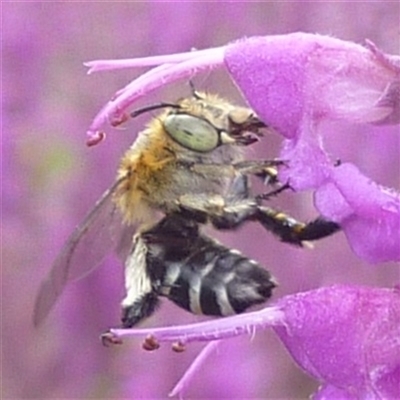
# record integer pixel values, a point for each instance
(146, 167)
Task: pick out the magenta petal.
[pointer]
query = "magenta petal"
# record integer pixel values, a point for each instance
(296, 81)
(270, 72)
(368, 213)
(115, 110)
(346, 337)
(308, 164)
(390, 99)
(289, 78)
(329, 392)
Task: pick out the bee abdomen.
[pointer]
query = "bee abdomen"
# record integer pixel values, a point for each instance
(218, 281)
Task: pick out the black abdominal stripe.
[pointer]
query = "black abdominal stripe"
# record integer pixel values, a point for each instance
(216, 281)
(174, 260)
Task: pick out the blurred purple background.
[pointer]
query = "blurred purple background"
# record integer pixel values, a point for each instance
(51, 179)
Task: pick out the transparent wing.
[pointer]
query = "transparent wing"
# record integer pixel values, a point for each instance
(101, 232)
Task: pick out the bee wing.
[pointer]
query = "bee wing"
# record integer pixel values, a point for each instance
(101, 232)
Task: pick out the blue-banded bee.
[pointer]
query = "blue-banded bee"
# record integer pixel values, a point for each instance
(185, 170)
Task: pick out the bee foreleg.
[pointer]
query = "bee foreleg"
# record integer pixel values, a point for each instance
(254, 167)
(273, 193)
(264, 169)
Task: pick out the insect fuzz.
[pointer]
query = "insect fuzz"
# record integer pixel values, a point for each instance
(189, 165)
(183, 162)
(186, 169)
(189, 149)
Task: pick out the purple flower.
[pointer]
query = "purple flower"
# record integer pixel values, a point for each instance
(298, 84)
(295, 83)
(51, 180)
(346, 337)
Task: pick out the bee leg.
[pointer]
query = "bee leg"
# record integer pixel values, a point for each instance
(290, 230)
(215, 209)
(193, 208)
(230, 215)
(269, 176)
(273, 193)
(141, 297)
(235, 214)
(318, 229)
(139, 310)
(254, 167)
(285, 227)
(263, 169)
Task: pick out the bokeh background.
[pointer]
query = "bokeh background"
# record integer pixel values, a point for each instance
(50, 179)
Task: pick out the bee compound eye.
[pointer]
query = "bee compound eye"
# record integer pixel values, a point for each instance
(192, 132)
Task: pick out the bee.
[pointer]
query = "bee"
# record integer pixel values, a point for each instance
(185, 170)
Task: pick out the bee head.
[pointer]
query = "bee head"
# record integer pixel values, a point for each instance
(204, 122)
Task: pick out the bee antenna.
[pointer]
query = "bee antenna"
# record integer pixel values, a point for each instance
(142, 110)
(195, 93)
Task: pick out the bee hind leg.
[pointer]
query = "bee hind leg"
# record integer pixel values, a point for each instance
(139, 310)
(227, 215)
(292, 231)
(221, 213)
(141, 298)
